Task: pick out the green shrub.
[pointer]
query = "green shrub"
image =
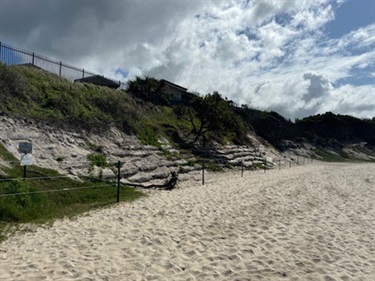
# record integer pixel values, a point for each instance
(15, 187)
(213, 167)
(146, 135)
(97, 160)
(20, 206)
(5, 154)
(94, 147)
(60, 159)
(192, 162)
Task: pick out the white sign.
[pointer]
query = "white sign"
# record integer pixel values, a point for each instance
(26, 159)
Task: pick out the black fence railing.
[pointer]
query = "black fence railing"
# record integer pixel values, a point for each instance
(10, 55)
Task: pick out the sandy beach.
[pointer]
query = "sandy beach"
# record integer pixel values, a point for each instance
(312, 222)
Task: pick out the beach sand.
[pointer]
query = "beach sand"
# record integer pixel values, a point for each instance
(312, 222)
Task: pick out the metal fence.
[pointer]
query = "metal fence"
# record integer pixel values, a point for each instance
(13, 56)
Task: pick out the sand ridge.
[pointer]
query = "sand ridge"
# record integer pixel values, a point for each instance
(313, 222)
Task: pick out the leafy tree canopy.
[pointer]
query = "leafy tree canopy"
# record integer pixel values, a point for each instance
(210, 116)
(148, 89)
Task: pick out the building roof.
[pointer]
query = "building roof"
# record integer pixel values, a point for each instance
(170, 84)
(99, 80)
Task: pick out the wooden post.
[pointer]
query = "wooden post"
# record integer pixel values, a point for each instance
(83, 73)
(118, 181)
(33, 59)
(203, 172)
(279, 164)
(60, 68)
(242, 169)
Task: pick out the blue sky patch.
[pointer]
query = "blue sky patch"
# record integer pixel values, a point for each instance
(350, 16)
(122, 72)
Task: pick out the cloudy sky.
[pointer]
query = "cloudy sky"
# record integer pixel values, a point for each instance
(296, 57)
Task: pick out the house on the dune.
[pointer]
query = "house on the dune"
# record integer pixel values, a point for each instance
(100, 81)
(178, 93)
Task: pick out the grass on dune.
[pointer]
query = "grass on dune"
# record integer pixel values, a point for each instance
(58, 203)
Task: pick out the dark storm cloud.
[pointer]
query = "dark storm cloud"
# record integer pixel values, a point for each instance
(56, 27)
(75, 29)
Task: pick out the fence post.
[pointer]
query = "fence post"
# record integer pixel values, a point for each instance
(33, 59)
(0, 50)
(203, 172)
(83, 73)
(279, 164)
(118, 181)
(264, 165)
(242, 169)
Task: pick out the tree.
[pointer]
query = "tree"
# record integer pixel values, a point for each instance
(210, 117)
(148, 89)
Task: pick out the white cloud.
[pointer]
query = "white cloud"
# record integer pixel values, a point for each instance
(272, 54)
(314, 17)
(357, 101)
(362, 38)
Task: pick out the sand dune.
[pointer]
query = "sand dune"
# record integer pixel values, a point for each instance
(313, 222)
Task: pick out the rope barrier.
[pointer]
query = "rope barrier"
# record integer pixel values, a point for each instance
(52, 190)
(33, 178)
(65, 161)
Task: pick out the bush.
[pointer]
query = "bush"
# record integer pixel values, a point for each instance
(97, 160)
(18, 186)
(22, 207)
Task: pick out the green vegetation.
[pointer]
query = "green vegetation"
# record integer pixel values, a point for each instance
(97, 160)
(330, 156)
(147, 133)
(58, 202)
(213, 118)
(258, 166)
(142, 110)
(269, 125)
(42, 96)
(213, 166)
(94, 147)
(145, 111)
(325, 131)
(148, 89)
(6, 155)
(342, 128)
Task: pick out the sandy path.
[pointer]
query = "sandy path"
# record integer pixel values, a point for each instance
(313, 222)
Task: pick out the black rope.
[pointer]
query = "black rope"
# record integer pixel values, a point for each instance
(52, 190)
